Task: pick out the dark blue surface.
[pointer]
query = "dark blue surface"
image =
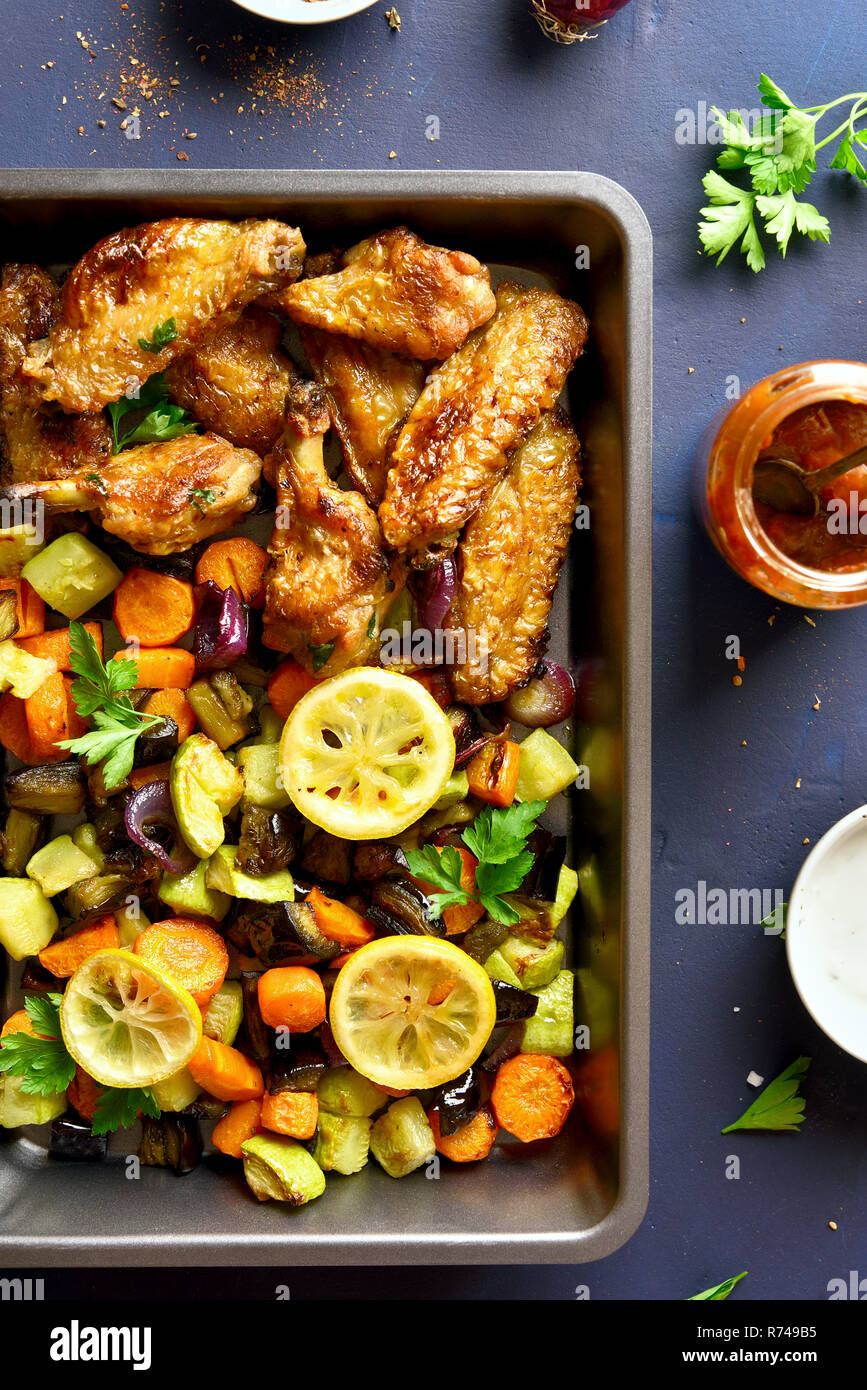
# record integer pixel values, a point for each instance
(726, 808)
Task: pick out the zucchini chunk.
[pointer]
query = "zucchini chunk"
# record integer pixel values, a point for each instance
(401, 1140)
(551, 1030)
(343, 1091)
(58, 865)
(224, 1013)
(342, 1143)
(18, 1108)
(27, 919)
(19, 841)
(72, 574)
(281, 1170)
(224, 875)
(546, 768)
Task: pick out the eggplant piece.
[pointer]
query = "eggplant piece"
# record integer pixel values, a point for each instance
(505, 1047)
(172, 1141)
(280, 932)
(254, 1038)
(400, 908)
(327, 857)
(297, 1068)
(513, 1005)
(8, 614)
(22, 835)
(465, 727)
(36, 979)
(269, 840)
(100, 894)
(97, 790)
(206, 1107)
(377, 859)
(458, 1101)
(157, 744)
(54, 790)
(70, 1137)
(549, 856)
(108, 822)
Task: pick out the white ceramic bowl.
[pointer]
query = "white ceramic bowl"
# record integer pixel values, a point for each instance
(826, 933)
(305, 11)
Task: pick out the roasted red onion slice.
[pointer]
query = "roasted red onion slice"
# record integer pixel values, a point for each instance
(547, 699)
(152, 805)
(221, 627)
(435, 594)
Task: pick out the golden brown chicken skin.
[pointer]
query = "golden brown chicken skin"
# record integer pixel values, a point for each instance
(396, 292)
(196, 272)
(473, 411)
(508, 562)
(372, 393)
(37, 440)
(160, 498)
(236, 381)
(328, 583)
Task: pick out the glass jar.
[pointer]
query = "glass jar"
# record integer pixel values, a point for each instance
(724, 468)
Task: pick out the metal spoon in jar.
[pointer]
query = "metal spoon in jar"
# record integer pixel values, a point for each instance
(780, 482)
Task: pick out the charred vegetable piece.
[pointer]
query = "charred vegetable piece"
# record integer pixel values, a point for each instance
(22, 834)
(71, 1138)
(327, 857)
(401, 1140)
(99, 894)
(484, 938)
(281, 1170)
(342, 1143)
(534, 966)
(458, 1101)
(180, 566)
(222, 708)
(513, 1004)
(224, 875)
(401, 909)
(8, 614)
(466, 729)
(506, 1046)
(298, 1068)
(55, 790)
(260, 767)
(172, 1141)
(110, 826)
(377, 859)
(269, 840)
(36, 978)
(254, 1038)
(336, 1059)
(343, 1091)
(206, 1107)
(283, 930)
(157, 744)
(97, 789)
(549, 853)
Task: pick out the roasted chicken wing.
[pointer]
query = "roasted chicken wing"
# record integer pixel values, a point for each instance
(508, 562)
(236, 381)
(473, 411)
(328, 583)
(144, 295)
(37, 440)
(397, 293)
(372, 393)
(160, 498)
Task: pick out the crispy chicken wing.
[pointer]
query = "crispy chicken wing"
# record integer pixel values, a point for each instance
(397, 293)
(196, 273)
(328, 583)
(236, 381)
(160, 498)
(372, 393)
(474, 409)
(36, 440)
(508, 562)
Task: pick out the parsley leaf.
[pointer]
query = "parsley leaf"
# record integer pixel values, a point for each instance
(779, 1106)
(718, 1292)
(444, 871)
(848, 158)
(42, 1063)
(118, 1108)
(99, 693)
(156, 417)
(43, 1012)
(201, 498)
(497, 835)
(163, 334)
(728, 218)
(783, 214)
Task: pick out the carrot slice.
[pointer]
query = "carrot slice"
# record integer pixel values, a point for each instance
(493, 772)
(191, 953)
(532, 1096)
(225, 1072)
(154, 772)
(236, 563)
(176, 706)
(14, 733)
(153, 609)
(51, 716)
(19, 1022)
(161, 667)
(286, 686)
(460, 916)
(31, 608)
(339, 922)
(472, 1142)
(292, 996)
(55, 644)
(83, 1093)
(64, 956)
(295, 1113)
(237, 1127)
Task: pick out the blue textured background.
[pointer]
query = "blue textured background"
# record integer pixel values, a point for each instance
(726, 808)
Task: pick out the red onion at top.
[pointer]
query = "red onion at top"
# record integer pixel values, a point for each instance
(547, 699)
(221, 627)
(568, 21)
(152, 805)
(435, 594)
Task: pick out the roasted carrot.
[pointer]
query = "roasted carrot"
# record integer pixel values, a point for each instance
(51, 717)
(83, 1093)
(436, 684)
(532, 1096)
(55, 644)
(31, 608)
(235, 1128)
(286, 686)
(339, 922)
(161, 667)
(292, 996)
(153, 609)
(14, 733)
(468, 1144)
(176, 706)
(340, 960)
(154, 772)
(191, 953)
(225, 1072)
(19, 1022)
(295, 1113)
(236, 563)
(460, 916)
(63, 956)
(493, 772)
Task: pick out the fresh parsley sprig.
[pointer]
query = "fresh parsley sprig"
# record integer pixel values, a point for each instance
(42, 1063)
(718, 1292)
(156, 417)
(99, 694)
(497, 838)
(778, 1106)
(779, 154)
(118, 1108)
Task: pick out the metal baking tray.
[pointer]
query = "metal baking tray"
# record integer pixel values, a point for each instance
(581, 1196)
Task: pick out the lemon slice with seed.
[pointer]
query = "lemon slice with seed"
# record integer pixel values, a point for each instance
(366, 753)
(126, 1023)
(412, 1012)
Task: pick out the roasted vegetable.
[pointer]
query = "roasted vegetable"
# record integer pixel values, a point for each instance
(504, 1044)
(8, 614)
(176, 1092)
(342, 1143)
(72, 574)
(188, 894)
(484, 938)
(401, 1140)
(326, 857)
(533, 965)
(270, 840)
(98, 894)
(55, 790)
(223, 708)
(27, 919)
(172, 1141)
(71, 1138)
(19, 841)
(58, 865)
(254, 1038)
(108, 822)
(205, 787)
(263, 784)
(457, 1101)
(466, 729)
(376, 859)
(551, 1031)
(157, 744)
(223, 1014)
(296, 1068)
(343, 1091)
(549, 852)
(546, 768)
(224, 875)
(400, 908)
(280, 932)
(281, 1170)
(513, 1004)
